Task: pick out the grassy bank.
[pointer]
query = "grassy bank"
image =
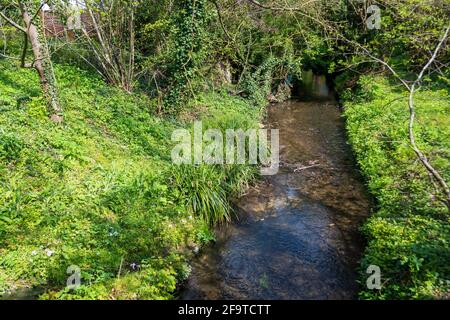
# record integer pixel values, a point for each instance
(409, 235)
(101, 192)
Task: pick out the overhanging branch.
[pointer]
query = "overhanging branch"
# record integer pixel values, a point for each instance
(11, 22)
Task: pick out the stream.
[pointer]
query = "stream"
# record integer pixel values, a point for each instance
(297, 235)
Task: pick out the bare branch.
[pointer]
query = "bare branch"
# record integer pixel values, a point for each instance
(412, 114)
(433, 57)
(219, 14)
(14, 24)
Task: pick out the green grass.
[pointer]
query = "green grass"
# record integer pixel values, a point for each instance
(409, 234)
(100, 192)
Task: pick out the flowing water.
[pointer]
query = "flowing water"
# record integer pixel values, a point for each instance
(297, 233)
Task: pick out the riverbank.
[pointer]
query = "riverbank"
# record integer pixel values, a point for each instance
(101, 193)
(408, 235)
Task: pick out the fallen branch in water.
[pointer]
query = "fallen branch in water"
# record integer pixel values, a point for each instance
(306, 167)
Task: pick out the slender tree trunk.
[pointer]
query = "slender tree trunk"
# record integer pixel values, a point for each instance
(24, 51)
(42, 62)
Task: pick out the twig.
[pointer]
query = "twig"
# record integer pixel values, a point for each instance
(412, 113)
(120, 268)
(14, 24)
(306, 167)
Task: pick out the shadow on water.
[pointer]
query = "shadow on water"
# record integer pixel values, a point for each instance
(24, 294)
(297, 236)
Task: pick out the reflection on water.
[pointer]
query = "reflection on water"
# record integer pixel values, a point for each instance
(25, 293)
(313, 87)
(297, 236)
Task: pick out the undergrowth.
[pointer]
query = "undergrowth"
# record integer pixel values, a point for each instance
(100, 192)
(409, 235)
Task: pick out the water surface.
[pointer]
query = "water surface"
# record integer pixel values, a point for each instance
(297, 234)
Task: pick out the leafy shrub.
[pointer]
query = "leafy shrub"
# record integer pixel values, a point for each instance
(257, 86)
(10, 147)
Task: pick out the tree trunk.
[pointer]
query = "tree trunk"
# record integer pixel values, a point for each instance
(42, 62)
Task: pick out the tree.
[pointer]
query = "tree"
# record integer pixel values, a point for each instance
(188, 53)
(109, 33)
(31, 13)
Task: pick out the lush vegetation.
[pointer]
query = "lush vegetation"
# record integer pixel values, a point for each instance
(86, 176)
(100, 191)
(408, 236)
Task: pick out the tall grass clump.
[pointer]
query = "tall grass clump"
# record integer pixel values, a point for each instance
(202, 188)
(207, 189)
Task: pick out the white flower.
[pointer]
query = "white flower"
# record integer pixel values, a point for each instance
(34, 252)
(134, 266)
(190, 217)
(48, 252)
